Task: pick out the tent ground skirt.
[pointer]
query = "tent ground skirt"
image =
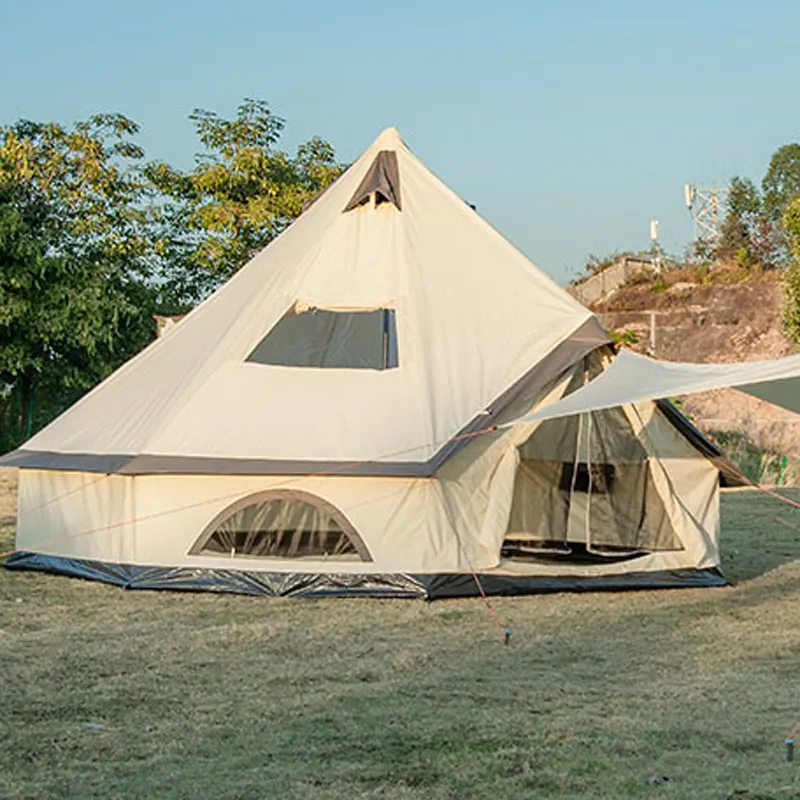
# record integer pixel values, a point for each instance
(283, 584)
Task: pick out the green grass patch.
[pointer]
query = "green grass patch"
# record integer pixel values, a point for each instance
(758, 465)
(237, 697)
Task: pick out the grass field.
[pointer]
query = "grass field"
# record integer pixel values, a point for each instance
(598, 695)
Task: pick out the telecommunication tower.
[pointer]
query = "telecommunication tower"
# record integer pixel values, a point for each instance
(656, 247)
(705, 206)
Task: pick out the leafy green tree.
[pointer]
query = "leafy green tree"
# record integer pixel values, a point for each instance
(790, 317)
(791, 223)
(741, 221)
(75, 261)
(781, 184)
(242, 193)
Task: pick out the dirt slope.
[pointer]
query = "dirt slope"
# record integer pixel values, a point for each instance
(716, 318)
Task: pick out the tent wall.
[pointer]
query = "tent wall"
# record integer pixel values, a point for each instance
(453, 522)
(478, 489)
(687, 481)
(69, 514)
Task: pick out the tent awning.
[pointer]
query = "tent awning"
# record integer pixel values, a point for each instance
(632, 378)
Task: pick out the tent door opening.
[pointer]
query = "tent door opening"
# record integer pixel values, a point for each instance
(585, 492)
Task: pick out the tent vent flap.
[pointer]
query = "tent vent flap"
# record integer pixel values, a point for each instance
(382, 179)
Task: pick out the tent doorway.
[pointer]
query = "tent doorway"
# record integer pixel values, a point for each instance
(585, 491)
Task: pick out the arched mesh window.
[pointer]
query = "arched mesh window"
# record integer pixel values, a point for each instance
(282, 524)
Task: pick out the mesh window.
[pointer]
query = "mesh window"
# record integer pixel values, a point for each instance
(627, 514)
(595, 478)
(331, 339)
(282, 525)
(540, 509)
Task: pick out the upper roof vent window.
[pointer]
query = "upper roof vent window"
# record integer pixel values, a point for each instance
(382, 180)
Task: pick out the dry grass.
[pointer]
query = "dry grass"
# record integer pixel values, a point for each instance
(8, 495)
(235, 697)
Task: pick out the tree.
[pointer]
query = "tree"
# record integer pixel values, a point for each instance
(791, 223)
(790, 317)
(744, 208)
(747, 235)
(75, 261)
(782, 182)
(242, 193)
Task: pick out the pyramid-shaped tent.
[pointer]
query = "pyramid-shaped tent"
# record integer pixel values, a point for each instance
(311, 424)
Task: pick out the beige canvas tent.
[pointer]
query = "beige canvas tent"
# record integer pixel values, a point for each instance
(328, 422)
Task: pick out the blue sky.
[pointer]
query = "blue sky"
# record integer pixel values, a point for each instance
(569, 124)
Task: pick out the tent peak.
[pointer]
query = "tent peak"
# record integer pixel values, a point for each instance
(389, 138)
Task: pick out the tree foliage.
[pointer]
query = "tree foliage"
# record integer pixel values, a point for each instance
(94, 240)
(242, 193)
(790, 318)
(74, 259)
(748, 237)
(744, 208)
(781, 184)
(791, 222)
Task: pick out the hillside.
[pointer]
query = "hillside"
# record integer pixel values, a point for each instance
(712, 316)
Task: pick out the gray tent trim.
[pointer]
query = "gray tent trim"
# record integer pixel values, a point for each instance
(145, 464)
(431, 586)
(382, 178)
(110, 464)
(587, 338)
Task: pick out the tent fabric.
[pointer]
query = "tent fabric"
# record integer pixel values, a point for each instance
(633, 378)
(366, 449)
(729, 474)
(455, 520)
(587, 338)
(652, 486)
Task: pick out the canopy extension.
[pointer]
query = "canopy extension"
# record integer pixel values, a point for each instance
(632, 378)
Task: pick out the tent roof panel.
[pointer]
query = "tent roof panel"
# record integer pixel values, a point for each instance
(473, 316)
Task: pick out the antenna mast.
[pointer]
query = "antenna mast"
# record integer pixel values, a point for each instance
(705, 207)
